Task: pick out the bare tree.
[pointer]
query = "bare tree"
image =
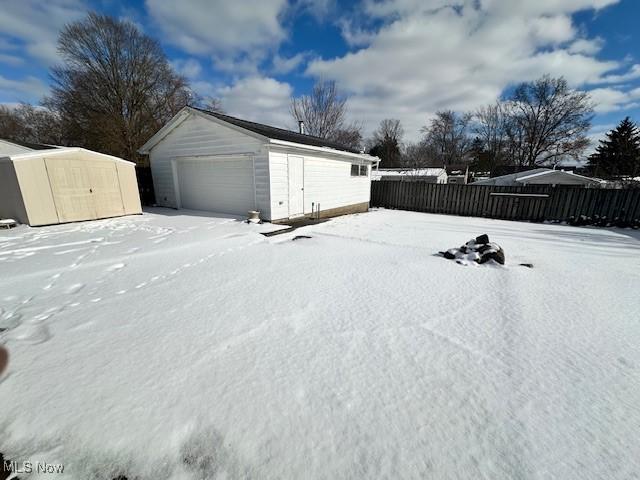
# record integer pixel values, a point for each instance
(115, 88)
(547, 121)
(386, 143)
(324, 114)
(446, 137)
(416, 155)
(491, 127)
(27, 123)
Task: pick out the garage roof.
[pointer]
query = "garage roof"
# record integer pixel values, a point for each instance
(278, 133)
(260, 130)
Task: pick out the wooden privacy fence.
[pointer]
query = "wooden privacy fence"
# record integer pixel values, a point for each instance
(533, 203)
(145, 185)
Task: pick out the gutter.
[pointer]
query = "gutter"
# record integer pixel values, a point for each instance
(331, 151)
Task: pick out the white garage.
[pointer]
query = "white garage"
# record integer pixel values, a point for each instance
(65, 185)
(214, 162)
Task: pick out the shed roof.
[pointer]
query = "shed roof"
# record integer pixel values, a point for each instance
(29, 145)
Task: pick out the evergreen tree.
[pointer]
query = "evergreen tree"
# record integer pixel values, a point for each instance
(619, 153)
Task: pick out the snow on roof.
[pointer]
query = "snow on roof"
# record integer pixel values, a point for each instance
(560, 173)
(59, 151)
(536, 174)
(418, 172)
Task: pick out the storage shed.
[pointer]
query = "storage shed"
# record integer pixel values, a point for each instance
(65, 185)
(209, 161)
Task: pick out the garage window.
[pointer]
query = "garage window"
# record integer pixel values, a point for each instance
(359, 170)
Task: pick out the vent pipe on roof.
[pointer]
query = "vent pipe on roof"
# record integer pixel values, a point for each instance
(301, 126)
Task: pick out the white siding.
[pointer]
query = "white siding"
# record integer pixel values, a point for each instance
(326, 181)
(198, 136)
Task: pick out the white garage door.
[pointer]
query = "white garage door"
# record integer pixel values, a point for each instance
(217, 185)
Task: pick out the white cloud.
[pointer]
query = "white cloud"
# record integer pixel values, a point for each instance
(29, 89)
(428, 55)
(37, 24)
(355, 35)
(11, 59)
(586, 46)
(284, 65)
(613, 99)
(260, 99)
(320, 9)
(632, 73)
(219, 27)
(189, 67)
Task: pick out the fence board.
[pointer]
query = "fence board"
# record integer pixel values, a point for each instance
(532, 203)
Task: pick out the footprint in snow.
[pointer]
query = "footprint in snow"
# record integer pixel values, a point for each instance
(32, 334)
(133, 250)
(73, 289)
(115, 267)
(10, 320)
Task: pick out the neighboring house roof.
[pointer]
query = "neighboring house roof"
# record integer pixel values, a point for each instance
(259, 130)
(417, 172)
(457, 169)
(540, 176)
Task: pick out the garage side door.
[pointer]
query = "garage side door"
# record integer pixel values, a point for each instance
(71, 188)
(216, 185)
(103, 176)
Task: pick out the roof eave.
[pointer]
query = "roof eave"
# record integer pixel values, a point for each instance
(332, 151)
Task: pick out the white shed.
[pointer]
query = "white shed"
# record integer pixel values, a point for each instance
(61, 185)
(209, 161)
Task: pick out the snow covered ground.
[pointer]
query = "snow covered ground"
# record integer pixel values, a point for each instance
(184, 346)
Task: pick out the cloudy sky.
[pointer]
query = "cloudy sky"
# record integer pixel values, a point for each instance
(395, 58)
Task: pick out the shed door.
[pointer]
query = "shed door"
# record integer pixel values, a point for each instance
(71, 188)
(296, 186)
(223, 185)
(107, 198)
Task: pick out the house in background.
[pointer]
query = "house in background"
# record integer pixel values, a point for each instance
(205, 160)
(541, 176)
(457, 174)
(58, 185)
(429, 175)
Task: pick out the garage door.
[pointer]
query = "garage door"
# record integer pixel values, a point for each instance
(84, 189)
(105, 185)
(71, 188)
(216, 185)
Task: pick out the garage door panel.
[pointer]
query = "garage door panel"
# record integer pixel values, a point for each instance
(224, 186)
(71, 188)
(105, 184)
